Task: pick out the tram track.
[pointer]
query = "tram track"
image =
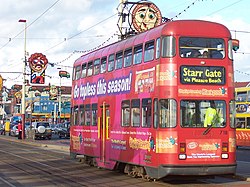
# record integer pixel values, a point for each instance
(70, 173)
(28, 165)
(41, 171)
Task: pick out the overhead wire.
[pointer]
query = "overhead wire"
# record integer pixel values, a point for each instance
(73, 36)
(10, 39)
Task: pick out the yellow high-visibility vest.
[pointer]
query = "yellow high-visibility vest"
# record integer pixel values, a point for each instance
(210, 115)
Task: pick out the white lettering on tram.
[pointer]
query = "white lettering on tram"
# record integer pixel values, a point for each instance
(101, 88)
(120, 85)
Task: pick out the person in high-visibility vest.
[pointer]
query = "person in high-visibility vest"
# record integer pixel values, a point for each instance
(210, 116)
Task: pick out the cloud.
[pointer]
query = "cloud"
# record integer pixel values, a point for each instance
(241, 61)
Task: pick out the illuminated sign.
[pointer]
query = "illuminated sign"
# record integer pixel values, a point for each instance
(202, 75)
(146, 16)
(38, 64)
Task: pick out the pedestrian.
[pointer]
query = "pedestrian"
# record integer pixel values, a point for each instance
(19, 127)
(4, 129)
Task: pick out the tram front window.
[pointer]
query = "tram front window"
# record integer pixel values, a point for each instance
(203, 113)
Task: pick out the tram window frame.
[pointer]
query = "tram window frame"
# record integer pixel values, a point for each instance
(97, 66)
(126, 112)
(76, 115)
(158, 48)
(146, 112)
(103, 64)
(94, 117)
(137, 57)
(78, 72)
(73, 74)
(232, 113)
(194, 47)
(167, 113)
(156, 113)
(168, 46)
(90, 68)
(194, 112)
(84, 70)
(149, 51)
(111, 62)
(87, 115)
(241, 96)
(81, 115)
(135, 110)
(72, 116)
(241, 123)
(119, 60)
(128, 57)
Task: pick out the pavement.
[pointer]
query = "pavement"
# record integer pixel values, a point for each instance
(57, 144)
(64, 145)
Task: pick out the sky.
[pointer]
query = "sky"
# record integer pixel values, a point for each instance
(63, 30)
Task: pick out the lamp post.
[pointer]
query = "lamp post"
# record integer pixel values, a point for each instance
(59, 99)
(24, 79)
(61, 74)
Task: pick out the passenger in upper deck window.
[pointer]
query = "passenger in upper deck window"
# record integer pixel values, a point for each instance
(205, 54)
(195, 54)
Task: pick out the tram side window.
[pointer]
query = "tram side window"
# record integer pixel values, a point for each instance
(157, 50)
(232, 111)
(135, 112)
(76, 114)
(118, 60)
(84, 70)
(87, 115)
(125, 113)
(72, 116)
(241, 123)
(111, 62)
(103, 64)
(73, 74)
(90, 68)
(94, 115)
(138, 54)
(241, 96)
(149, 51)
(168, 108)
(156, 113)
(128, 57)
(168, 48)
(81, 118)
(146, 112)
(78, 72)
(97, 66)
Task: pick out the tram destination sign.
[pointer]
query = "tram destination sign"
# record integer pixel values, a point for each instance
(202, 75)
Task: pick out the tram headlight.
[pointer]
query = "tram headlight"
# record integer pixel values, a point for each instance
(224, 156)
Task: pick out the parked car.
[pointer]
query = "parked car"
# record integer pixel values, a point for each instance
(63, 130)
(39, 130)
(14, 130)
(53, 127)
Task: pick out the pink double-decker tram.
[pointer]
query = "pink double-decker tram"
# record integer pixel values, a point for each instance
(140, 104)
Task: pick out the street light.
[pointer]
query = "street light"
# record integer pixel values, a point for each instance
(24, 79)
(59, 99)
(61, 74)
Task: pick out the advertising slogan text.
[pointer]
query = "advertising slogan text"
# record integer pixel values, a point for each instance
(103, 87)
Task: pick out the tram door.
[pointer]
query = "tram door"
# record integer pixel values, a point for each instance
(103, 132)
